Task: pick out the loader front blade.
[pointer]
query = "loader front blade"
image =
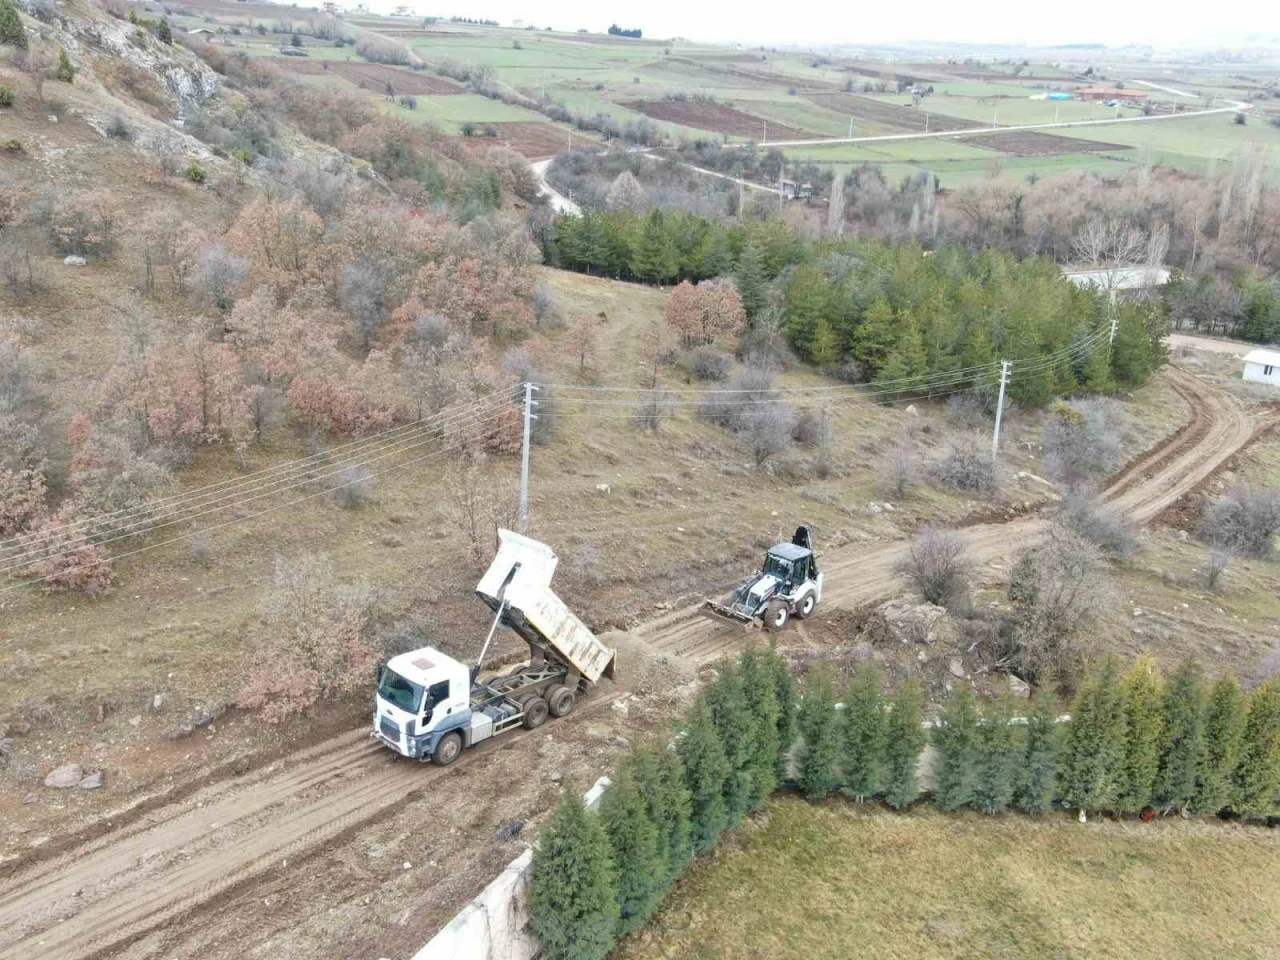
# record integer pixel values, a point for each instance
(722, 614)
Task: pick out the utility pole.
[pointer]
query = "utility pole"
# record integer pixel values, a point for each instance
(1115, 321)
(851, 128)
(529, 417)
(764, 135)
(926, 123)
(995, 437)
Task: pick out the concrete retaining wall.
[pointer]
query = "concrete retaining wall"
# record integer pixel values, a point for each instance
(495, 925)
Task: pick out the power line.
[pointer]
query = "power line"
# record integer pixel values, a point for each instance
(320, 458)
(54, 550)
(220, 494)
(461, 442)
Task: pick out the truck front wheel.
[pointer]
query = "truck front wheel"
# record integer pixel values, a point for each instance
(535, 713)
(806, 606)
(561, 700)
(447, 749)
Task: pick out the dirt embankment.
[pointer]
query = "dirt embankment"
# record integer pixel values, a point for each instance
(348, 849)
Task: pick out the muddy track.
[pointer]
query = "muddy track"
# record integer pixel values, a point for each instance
(191, 854)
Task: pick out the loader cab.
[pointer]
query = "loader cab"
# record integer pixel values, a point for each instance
(420, 694)
(791, 564)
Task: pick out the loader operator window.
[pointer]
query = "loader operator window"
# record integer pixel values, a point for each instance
(403, 693)
(437, 694)
(777, 567)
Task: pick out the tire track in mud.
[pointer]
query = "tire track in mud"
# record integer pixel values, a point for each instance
(161, 872)
(174, 860)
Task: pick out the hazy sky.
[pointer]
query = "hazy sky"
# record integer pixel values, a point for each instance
(1174, 22)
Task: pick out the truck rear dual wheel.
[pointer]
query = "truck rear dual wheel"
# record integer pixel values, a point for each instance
(561, 700)
(806, 606)
(535, 712)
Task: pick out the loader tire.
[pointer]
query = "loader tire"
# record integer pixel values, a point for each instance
(806, 606)
(535, 713)
(447, 749)
(561, 701)
(776, 615)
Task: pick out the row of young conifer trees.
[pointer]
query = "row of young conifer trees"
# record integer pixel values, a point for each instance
(1133, 741)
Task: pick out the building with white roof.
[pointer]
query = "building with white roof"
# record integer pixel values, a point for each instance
(1262, 366)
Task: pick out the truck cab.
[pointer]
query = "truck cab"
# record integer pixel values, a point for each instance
(423, 695)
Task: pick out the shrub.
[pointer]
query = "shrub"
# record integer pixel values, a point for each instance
(195, 173)
(1057, 589)
(936, 566)
(809, 428)
(355, 487)
(849, 372)
(547, 312)
(967, 466)
(219, 275)
(1081, 439)
(12, 33)
(1243, 521)
(967, 410)
(753, 386)
(118, 128)
(362, 291)
(318, 643)
(65, 559)
(84, 223)
(767, 427)
(706, 363)
(1214, 569)
(6, 95)
(652, 410)
(66, 72)
(1099, 526)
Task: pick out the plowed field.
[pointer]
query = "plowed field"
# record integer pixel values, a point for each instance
(891, 114)
(716, 117)
(371, 76)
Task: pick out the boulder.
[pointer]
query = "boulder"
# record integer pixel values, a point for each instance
(956, 666)
(66, 776)
(1019, 687)
(93, 781)
(74, 261)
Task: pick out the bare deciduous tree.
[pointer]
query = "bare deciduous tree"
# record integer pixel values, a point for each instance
(936, 566)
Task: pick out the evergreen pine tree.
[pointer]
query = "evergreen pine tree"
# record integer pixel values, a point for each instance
(1143, 713)
(716, 258)
(705, 771)
(819, 766)
(1097, 370)
(824, 348)
(1182, 738)
(1256, 779)
(875, 337)
(678, 814)
(753, 287)
(66, 72)
(760, 692)
(164, 33)
(863, 728)
(1093, 747)
(784, 685)
(904, 739)
(998, 755)
(654, 258)
(12, 32)
(573, 901)
(908, 359)
(1038, 773)
(955, 739)
(633, 838)
(659, 776)
(733, 725)
(1223, 728)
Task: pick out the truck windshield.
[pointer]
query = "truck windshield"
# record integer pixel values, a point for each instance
(403, 693)
(776, 566)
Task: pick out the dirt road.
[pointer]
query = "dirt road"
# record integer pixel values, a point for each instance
(178, 860)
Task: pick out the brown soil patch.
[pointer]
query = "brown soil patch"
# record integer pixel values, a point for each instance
(371, 76)
(1029, 143)
(529, 138)
(716, 117)
(890, 114)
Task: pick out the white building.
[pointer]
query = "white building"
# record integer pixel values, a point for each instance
(1262, 366)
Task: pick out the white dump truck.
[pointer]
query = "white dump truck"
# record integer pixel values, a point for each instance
(430, 706)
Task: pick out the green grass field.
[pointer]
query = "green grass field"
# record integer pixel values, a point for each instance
(838, 881)
(596, 74)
